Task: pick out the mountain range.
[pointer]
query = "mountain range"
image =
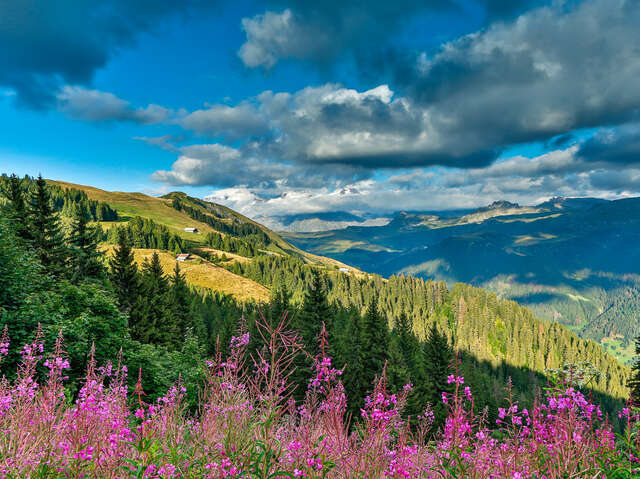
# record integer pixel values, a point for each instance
(571, 260)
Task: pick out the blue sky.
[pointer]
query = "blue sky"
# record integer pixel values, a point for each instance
(290, 106)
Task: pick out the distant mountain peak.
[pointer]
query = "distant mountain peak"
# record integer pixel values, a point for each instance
(499, 205)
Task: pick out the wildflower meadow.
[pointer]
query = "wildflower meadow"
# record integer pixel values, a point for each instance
(247, 425)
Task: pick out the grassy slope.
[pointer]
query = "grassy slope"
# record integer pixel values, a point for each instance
(200, 272)
(281, 245)
(206, 274)
(137, 204)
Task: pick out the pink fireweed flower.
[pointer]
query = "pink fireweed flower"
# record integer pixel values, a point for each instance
(84, 454)
(167, 470)
(96, 435)
(467, 393)
(239, 341)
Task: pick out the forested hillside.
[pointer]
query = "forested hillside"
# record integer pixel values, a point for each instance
(499, 336)
(570, 260)
(55, 273)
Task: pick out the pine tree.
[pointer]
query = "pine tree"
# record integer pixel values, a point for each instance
(279, 303)
(123, 271)
(307, 323)
(16, 207)
(147, 315)
(374, 339)
(398, 372)
(438, 355)
(366, 353)
(179, 316)
(314, 311)
(83, 239)
(350, 357)
(47, 239)
(404, 366)
(407, 341)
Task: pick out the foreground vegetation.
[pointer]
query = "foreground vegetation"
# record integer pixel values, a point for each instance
(248, 426)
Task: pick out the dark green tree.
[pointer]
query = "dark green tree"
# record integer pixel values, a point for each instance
(438, 358)
(123, 272)
(46, 234)
(398, 372)
(314, 311)
(374, 340)
(279, 303)
(21, 282)
(350, 357)
(404, 348)
(16, 207)
(307, 322)
(148, 313)
(86, 258)
(179, 314)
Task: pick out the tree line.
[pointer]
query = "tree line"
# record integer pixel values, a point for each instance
(246, 246)
(64, 200)
(146, 233)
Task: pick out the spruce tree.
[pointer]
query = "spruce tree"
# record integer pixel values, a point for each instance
(179, 316)
(398, 372)
(404, 348)
(123, 271)
(16, 207)
(47, 239)
(148, 313)
(374, 340)
(307, 323)
(279, 303)
(350, 357)
(83, 239)
(314, 311)
(438, 356)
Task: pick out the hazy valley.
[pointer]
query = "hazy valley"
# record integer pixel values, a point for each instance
(570, 260)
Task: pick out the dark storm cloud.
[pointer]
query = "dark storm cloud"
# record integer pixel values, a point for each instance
(551, 71)
(539, 77)
(615, 146)
(320, 32)
(618, 181)
(44, 42)
(376, 161)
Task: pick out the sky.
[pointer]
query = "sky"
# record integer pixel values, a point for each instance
(290, 106)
